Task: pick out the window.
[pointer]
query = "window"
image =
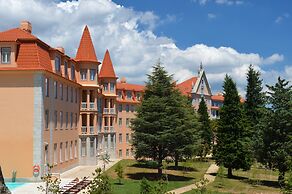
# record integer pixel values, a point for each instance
(75, 149)
(83, 147)
(120, 94)
(99, 101)
(55, 154)
(47, 86)
(72, 72)
(120, 138)
(47, 119)
(5, 55)
(71, 120)
(57, 64)
(127, 152)
(120, 153)
(76, 95)
(129, 95)
(120, 122)
(127, 108)
(105, 141)
(91, 147)
(55, 119)
(61, 150)
(120, 107)
(138, 95)
(66, 120)
(112, 87)
(61, 119)
(127, 122)
(83, 74)
(105, 87)
(67, 93)
(56, 89)
(132, 108)
(76, 120)
(127, 137)
(71, 150)
(92, 74)
(66, 151)
(72, 94)
(61, 91)
(66, 68)
(112, 141)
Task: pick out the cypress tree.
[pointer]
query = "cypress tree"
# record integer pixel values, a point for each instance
(278, 131)
(233, 149)
(205, 129)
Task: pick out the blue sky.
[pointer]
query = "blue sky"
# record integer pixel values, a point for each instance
(225, 35)
(251, 26)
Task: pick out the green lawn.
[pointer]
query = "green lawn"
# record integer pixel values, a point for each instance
(256, 180)
(192, 172)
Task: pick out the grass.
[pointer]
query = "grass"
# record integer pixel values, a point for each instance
(256, 180)
(188, 173)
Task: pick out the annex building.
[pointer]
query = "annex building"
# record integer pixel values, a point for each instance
(67, 111)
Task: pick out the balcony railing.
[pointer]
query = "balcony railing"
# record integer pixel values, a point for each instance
(112, 129)
(109, 111)
(91, 129)
(106, 128)
(91, 106)
(83, 105)
(83, 130)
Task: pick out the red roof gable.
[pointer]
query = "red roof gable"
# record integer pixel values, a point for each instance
(86, 50)
(107, 69)
(126, 86)
(186, 87)
(15, 34)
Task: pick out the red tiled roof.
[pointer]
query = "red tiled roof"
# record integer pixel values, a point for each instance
(186, 87)
(15, 34)
(107, 69)
(126, 86)
(86, 50)
(218, 98)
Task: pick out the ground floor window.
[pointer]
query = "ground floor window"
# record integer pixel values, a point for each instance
(55, 154)
(92, 147)
(127, 152)
(83, 147)
(120, 153)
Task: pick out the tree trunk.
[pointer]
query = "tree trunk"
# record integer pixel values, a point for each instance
(176, 159)
(159, 167)
(229, 172)
(1, 177)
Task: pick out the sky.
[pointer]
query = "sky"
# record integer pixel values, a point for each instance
(225, 35)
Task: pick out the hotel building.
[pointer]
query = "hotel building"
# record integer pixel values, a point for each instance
(67, 111)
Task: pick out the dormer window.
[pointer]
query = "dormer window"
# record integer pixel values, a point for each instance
(120, 94)
(129, 95)
(112, 87)
(6, 55)
(83, 74)
(138, 96)
(57, 64)
(92, 74)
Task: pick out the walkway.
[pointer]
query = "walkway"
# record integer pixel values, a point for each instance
(213, 168)
(66, 177)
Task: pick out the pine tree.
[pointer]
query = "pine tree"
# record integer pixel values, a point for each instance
(278, 131)
(233, 149)
(205, 129)
(155, 118)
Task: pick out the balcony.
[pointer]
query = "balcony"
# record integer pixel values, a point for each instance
(106, 128)
(83, 105)
(109, 111)
(112, 130)
(91, 129)
(91, 106)
(83, 130)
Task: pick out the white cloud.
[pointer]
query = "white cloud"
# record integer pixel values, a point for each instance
(211, 16)
(282, 17)
(220, 2)
(129, 36)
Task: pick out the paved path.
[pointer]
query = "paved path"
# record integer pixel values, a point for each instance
(213, 168)
(66, 177)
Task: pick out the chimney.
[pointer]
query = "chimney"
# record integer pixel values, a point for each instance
(61, 49)
(26, 26)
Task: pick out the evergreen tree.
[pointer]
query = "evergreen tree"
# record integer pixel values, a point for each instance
(185, 136)
(254, 109)
(278, 131)
(155, 118)
(100, 183)
(205, 129)
(233, 149)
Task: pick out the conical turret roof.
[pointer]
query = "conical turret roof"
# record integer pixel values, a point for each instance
(107, 69)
